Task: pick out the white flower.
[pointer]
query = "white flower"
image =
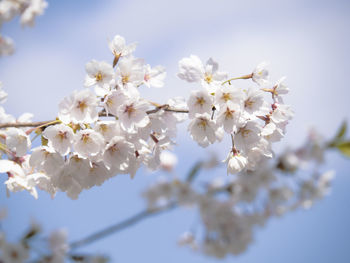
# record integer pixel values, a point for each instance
(119, 48)
(324, 183)
(17, 141)
(4, 117)
(260, 74)
(281, 113)
(17, 180)
(248, 136)
(6, 46)
(132, 115)
(203, 130)
(254, 104)
(199, 102)
(58, 243)
(35, 8)
(187, 238)
(192, 70)
(130, 72)
(279, 89)
(154, 76)
(3, 94)
(60, 138)
(229, 116)
(117, 153)
(88, 143)
(47, 159)
(212, 77)
(226, 94)
(168, 160)
(8, 9)
(235, 162)
(79, 107)
(108, 129)
(99, 73)
(114, 100)
(272, 132)
(14, 253)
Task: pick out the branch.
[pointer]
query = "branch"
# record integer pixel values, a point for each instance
(135, 218)
(122, 225)
(103, 113)
(25, 124)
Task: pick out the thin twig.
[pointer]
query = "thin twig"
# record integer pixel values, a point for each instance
(24, 124)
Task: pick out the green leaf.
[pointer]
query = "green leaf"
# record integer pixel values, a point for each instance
(341, 132)
(344, 148)
(44, 141)
(339, 136)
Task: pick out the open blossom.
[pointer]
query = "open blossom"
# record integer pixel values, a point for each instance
(113, 100)
(118, 153)
(203, 129)
(130, 72)
(260, 74)
(281, 113)
(46, 159)
(88, 143)
(192, 70)
(18, 180)
(17, 141)
(229, 116)
(279, 89)
(132, 115)
(99, 73)
(199, 102)
(154, 77)
(226, 94)
(60, 138)
(254, 104)
(248, 136)
(119, 48)
(79, 107)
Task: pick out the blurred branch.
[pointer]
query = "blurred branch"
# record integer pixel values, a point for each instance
(135, 218)
(122, 225)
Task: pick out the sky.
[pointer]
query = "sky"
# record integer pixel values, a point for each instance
(307, 41)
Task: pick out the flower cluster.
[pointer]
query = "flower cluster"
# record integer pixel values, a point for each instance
(219, 107)
(53, 249)
(26, 9)
(231, 209)
(108, 128)
(98, 134)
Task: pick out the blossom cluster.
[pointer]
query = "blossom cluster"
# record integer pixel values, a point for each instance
(97, 134)
(108, 128)
(232, 208)
(245, 114)
(26, 9)
(53, 248)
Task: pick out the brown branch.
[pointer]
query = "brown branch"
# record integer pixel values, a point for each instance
(103, 113)
(24, 124)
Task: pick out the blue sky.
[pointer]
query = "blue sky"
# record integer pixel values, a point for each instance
(306, 40)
